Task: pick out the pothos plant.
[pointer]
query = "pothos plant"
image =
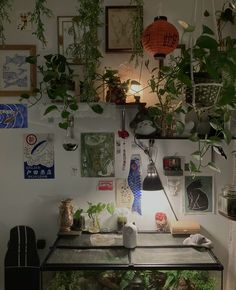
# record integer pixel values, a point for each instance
(57, 84)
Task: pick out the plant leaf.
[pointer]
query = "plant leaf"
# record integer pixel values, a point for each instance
(97, 108)
(197, 155)
(50, 109)
(212, 166)
(207, 30)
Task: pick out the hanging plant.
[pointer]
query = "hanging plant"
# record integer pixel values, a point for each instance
(137, 29)
(40, 11)
(5, 7)
(85, 48)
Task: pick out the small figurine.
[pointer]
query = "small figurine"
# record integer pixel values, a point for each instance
(161, 222)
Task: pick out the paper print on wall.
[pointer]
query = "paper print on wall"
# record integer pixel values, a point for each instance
(97, 155)
(24, 20)
(105, 185)
(13, 116)
(199, 196)
(124, 196)
(38, 156)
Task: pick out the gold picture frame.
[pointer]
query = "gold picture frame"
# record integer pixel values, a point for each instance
(16, 75)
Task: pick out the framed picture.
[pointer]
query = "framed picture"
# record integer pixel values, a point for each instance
(119, 28)
(199, 195)
(66, 34)
(16, 75)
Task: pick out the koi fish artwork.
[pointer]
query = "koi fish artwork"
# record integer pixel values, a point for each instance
(134, 182)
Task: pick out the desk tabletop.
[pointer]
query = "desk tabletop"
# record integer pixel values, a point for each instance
(154, 250)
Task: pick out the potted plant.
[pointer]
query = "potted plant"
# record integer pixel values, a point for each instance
(207, 56)
(115, 89)
(78, 220)
(93, 211)
(58, 84)
(174, 80)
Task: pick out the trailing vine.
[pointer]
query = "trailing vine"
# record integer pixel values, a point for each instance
(40, 10)
(86, 44)
(5, 7)
(137, 25)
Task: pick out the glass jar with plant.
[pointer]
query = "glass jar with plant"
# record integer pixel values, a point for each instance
(78, 220)
(94, 210)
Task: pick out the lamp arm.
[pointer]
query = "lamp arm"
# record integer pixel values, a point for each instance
(148, 152)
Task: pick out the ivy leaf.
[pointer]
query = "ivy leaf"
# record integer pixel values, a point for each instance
(205, 41)
(50, 109)
(25, 96)
(63, 125)
(207, 30)
(193, 167)
(197, 155)
(212, 166)
(73, 106)
(227, 136)
(97, 108)
(194, 137)
(65, 114)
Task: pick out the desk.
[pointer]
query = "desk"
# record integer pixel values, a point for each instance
(154, 251)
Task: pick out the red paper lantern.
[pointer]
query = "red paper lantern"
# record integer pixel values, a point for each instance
(160, 38)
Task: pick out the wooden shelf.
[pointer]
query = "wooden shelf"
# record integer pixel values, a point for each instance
(226, 216)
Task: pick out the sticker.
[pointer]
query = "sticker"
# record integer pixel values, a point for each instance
(105, 185)
(13, 116)
(38, 156)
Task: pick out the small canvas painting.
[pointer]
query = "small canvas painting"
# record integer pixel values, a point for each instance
(199, 194)
(97, 155)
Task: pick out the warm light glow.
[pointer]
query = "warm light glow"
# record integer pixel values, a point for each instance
(135, 88)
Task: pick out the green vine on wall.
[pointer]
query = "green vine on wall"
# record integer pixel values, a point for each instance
(5, 8)
(86, 45)
(137, 23)
(40, 11)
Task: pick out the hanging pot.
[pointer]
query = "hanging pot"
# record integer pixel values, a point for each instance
(205, 92)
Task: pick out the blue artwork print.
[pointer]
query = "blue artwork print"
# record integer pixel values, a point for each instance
(38, 156)
(14, 72)
(134, 182)
(13, 116)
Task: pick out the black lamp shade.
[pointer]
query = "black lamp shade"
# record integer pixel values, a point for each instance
(152, 180)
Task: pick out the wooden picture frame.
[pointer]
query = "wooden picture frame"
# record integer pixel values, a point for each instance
(16, 75)
(66, 36)
(118, 28)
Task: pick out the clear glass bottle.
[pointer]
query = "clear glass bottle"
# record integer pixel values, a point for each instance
(70, 143)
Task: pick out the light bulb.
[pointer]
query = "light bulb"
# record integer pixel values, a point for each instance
(69, 142)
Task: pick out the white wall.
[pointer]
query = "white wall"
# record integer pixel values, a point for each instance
(35, 202)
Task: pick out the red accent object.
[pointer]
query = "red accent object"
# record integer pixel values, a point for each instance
(123, 134)
(160, 38)
(160, 216)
